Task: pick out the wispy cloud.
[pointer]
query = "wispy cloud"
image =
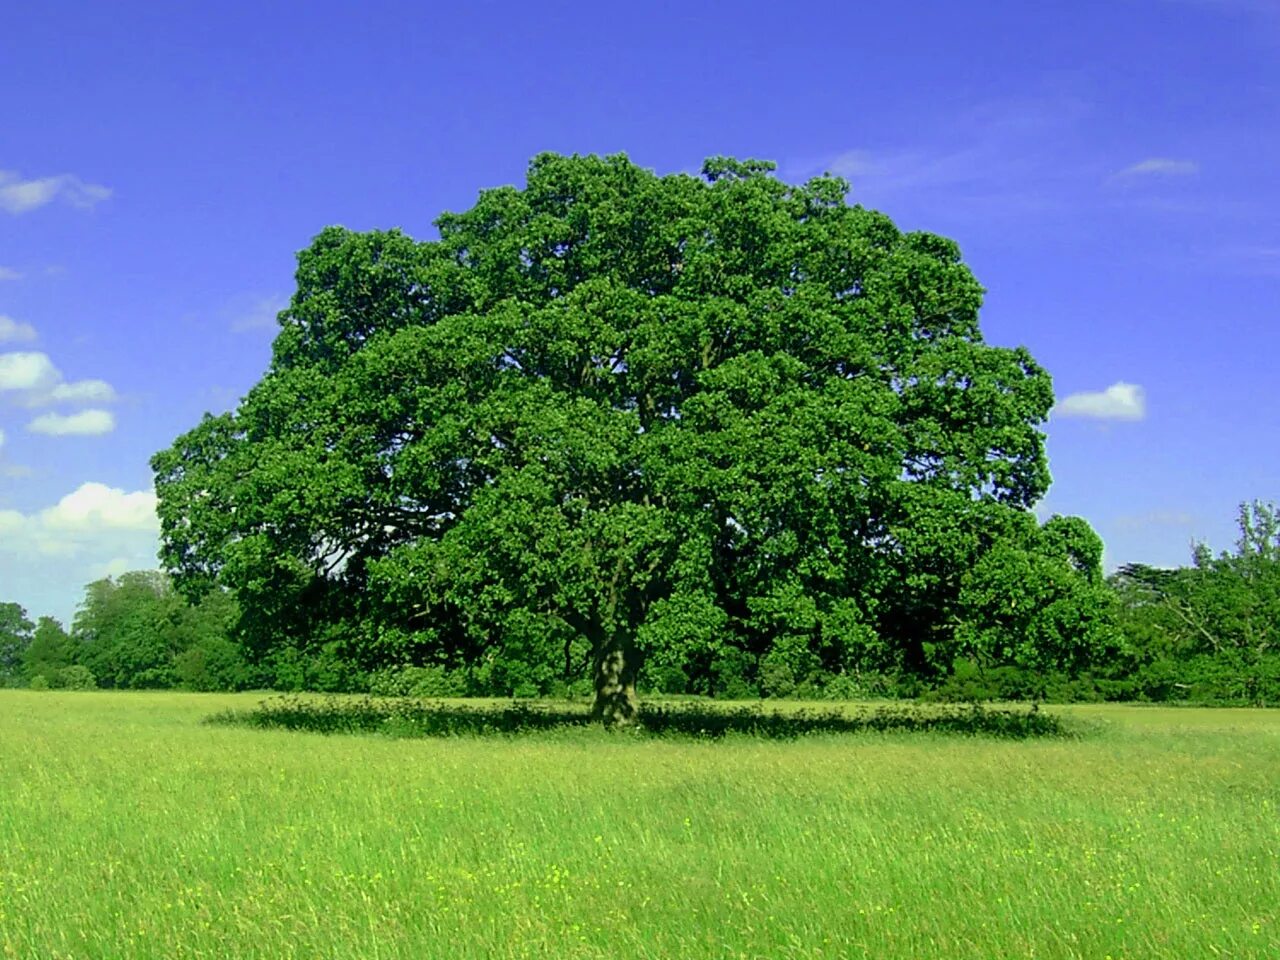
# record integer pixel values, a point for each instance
(8, 273)
(1120, 401)
(1021, 161)
(256, 313)
(1251, 259)
(1264, 7)
(86, 423)
(11, 331)
(21, 196)
(1012, 157)
(1158, 167)
(895, 170)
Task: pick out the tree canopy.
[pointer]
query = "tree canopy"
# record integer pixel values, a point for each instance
(635, 423)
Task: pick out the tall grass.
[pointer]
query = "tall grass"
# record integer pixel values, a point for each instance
(130, 829)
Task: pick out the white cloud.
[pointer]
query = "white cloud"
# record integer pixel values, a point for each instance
(20, 196)
(27, 371)
(114, 567)
(885, 175)
(8, 273)
(13, 331)
(95, 506)
(1, 438)
(11, 521)
(86, 423)
(48, 555)
(1120, 401)
(38, 383)
(83, 391)
(1160, 167)
(92, 513)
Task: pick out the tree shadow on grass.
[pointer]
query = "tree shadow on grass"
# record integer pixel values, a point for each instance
(405, 717)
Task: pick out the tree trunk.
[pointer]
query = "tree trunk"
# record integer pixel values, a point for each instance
(616, 667)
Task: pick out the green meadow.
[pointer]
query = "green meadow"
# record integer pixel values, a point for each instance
(129, 828)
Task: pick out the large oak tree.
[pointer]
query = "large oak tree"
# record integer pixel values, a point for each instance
(630, 418)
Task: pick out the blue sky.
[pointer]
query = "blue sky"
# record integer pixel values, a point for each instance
(1109, 168)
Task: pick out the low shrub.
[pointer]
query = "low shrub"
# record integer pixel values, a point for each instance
(76, 677)
(410, 681)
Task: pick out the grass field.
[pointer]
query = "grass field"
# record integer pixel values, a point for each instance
(130, 829)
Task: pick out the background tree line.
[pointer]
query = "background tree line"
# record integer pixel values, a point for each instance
(1208, 632)
(130, 632)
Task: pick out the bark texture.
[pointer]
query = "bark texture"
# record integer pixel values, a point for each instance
(616, 702)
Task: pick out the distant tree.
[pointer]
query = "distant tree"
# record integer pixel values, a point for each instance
(209, 659)
(136, 631)
(1241, 590)
(1039, 601)
(125, 630)
(49, 653)
(624, 422)
(1218, 617)
(15, 637)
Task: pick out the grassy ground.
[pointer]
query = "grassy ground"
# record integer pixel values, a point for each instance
(129, 829)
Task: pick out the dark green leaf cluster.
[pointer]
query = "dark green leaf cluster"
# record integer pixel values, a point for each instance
(49, 655)
(15, 638)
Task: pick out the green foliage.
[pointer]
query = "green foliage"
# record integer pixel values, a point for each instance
(49, 652)
(135, 631)
(411, 681)
(1039, 601)
(74, 677)
(972, 682)
(1210, 631)
(126, 630)
(324, 669)
(1200, 634)
(15, 637)
(213, 663)
(633, 427)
